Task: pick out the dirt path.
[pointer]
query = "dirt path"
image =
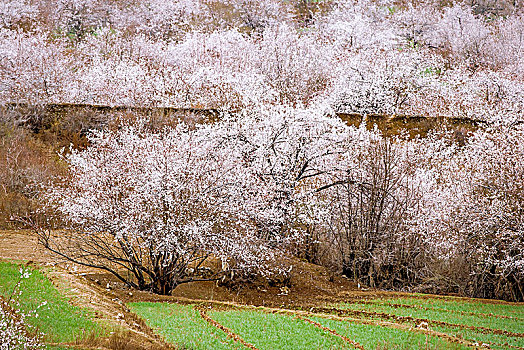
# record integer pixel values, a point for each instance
(108, 310)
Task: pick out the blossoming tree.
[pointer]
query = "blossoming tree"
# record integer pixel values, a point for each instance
(152, 208)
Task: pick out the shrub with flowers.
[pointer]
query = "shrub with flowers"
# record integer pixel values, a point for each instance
(15, 332)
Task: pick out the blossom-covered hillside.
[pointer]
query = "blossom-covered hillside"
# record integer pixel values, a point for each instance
(429, 58)
(276, 175)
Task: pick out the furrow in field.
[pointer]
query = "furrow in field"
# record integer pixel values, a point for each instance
(226, 330)
(316, 324)
(426, 308)
(312, 313)
(417, 321)
(393, 295)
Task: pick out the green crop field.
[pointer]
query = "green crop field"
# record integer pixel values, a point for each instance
(56, 318)
(498, 325)
(407, 323)
(182, 325)
(273, 331)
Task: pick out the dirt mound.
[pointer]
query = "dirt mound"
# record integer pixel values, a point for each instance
(309, 285)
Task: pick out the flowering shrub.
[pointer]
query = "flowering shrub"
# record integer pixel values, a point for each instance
(15, 333)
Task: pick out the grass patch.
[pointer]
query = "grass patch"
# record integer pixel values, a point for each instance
(271, 331)
(182, 325)
(58, 320)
